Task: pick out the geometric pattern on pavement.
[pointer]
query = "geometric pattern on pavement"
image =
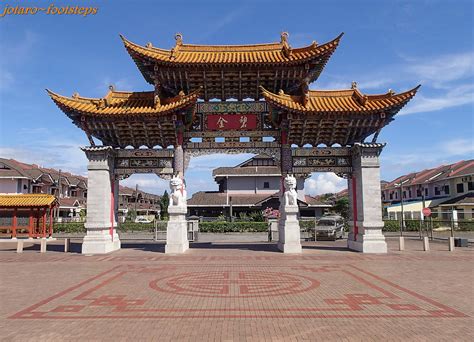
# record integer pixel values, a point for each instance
(196, 290)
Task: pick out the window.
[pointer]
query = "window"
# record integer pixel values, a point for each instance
(404, 194)
(409, 193)
(446, 189)
(418, 193)
(266, 185)
(460, 188)
(391, 195)
(470, 186)
(437, 191)
(426, 192)
(73, 193)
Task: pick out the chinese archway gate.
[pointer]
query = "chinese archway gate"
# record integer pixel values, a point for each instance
(233, 99)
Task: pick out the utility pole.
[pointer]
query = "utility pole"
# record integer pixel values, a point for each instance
(401, 208)
(136, 198)
(59, 195)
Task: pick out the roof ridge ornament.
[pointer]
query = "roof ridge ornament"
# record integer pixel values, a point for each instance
(179, 39)
(286, 48)
(179, 42)
(354, 85)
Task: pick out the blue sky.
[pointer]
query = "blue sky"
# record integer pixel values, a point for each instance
(387, 45)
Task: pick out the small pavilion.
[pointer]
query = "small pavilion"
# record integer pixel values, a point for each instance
(27, 215)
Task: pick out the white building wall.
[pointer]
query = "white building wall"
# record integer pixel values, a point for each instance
(241, 185)
(8, 186)
(14, 186)
(273, 182)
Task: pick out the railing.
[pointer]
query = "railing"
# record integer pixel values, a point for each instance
(434, 228)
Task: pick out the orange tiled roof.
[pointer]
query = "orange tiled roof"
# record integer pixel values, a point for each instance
(272, 53)
(124, 103)
(351, 100)
(27, 200)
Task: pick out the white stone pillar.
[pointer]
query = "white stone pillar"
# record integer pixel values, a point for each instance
(367, 234)
(289, 240)
(177, 227)
(102, 199)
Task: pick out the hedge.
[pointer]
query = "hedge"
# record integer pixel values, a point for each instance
(78, 227)
(232, 227)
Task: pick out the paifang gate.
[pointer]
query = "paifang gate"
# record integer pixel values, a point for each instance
(233, 99)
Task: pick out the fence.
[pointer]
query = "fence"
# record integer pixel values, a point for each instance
(433, 227)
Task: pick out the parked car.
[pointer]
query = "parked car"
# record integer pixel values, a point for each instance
(330, 228)
(142, 220)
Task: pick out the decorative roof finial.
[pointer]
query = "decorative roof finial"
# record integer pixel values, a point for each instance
(179, 39)
(286, 48)
(111, 87)
(354, 85)
(391, 92)
(149, 45)
(281, 92)
(75, 95)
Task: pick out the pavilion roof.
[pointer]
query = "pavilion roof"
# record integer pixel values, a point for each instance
(231, 71)
(340, 101)
(27, 200)
(270, 53)
(336, 116)
(133, 117)
(123, 103)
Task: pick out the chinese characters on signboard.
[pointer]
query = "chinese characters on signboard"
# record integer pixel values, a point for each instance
(226, 122)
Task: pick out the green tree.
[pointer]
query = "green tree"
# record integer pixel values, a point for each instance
(164, 203)
(131, 215)
(342, 207)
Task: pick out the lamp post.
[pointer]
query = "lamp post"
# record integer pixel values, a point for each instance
(59, 195)
(401, 208)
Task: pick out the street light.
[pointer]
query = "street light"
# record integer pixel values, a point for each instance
(401, 208)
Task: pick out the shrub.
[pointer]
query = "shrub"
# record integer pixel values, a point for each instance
(69, 227)
(466, 225)
(391, 226)
(306, 224)
(232, 227)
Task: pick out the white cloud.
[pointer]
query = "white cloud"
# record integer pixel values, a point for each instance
(459, 96)
(458, 147)
(443, 69)
(447, 81)
(150, 183)
(323, 183)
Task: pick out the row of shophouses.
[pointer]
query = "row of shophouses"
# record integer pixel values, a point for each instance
(444, 189)
(71, 190)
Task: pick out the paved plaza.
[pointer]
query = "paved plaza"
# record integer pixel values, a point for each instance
(238, 292)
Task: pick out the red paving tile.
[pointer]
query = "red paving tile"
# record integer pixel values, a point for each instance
(245, 293)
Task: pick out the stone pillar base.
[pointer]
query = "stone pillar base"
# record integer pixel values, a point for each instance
(177, 231)
(100, 243)
(289, 230)
(374, 242)
(290, 248)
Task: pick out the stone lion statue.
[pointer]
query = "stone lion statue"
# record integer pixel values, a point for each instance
(178, 192)
(290, 195)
